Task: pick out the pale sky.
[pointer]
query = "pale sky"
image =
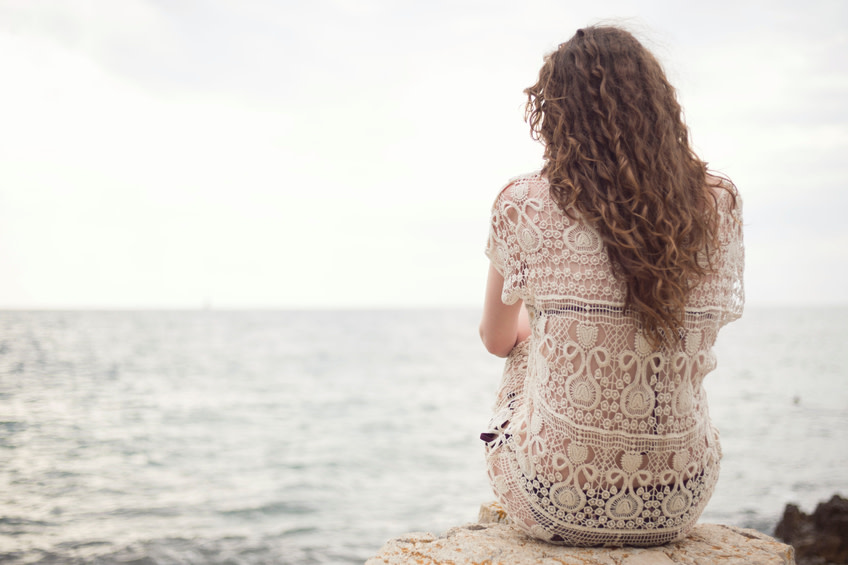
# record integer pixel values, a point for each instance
(345, 153)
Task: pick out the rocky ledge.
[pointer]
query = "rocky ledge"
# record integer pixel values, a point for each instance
(820, 538)
(493, 540)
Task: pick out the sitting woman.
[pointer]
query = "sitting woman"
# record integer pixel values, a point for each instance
(612, 271)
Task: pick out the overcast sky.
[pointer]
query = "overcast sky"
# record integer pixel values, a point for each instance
(345, 153)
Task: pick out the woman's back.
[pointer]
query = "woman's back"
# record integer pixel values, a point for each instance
(608, 439)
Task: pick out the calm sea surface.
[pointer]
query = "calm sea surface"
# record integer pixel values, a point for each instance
(312, 437)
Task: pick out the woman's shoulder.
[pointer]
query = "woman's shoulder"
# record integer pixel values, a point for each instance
(722, 187)
(727, 198)
(523, 187)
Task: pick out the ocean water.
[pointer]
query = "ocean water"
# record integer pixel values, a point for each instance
(311, 437)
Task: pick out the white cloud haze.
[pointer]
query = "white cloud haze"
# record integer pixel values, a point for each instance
(346, 153)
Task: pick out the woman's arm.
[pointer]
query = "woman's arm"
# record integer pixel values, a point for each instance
(502, 326)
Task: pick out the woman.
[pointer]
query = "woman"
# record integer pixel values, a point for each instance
(612, 271)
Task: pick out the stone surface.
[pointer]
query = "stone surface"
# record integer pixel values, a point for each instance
(495, 541)
(492, 513)
(820, 538)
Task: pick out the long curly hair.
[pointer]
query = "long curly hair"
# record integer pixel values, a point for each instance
(617, 151)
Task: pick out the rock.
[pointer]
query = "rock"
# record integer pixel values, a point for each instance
(818, 539)
(494, 541)
(492, 513)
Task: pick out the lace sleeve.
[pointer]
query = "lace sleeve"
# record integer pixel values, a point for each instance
(733, 258)
(502, 248)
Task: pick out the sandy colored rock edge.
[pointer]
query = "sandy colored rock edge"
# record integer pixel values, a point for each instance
(495, 541)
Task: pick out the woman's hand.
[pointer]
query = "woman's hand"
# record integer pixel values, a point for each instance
(502, 326)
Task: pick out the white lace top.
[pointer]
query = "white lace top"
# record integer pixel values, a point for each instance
(598, 438)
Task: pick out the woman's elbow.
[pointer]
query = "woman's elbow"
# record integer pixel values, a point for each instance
(494, 344)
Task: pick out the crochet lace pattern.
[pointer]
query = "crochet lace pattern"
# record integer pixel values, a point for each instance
(599, 438)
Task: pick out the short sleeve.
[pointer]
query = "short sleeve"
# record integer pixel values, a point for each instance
(723, 288)
(732, 257)
(502, 248)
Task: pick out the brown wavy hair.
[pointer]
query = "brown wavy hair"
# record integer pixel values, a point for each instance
(617, 151)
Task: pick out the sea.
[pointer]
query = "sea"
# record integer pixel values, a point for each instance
(312, 437)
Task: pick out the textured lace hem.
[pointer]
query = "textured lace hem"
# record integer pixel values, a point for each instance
(587, 515)
(576, 536)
